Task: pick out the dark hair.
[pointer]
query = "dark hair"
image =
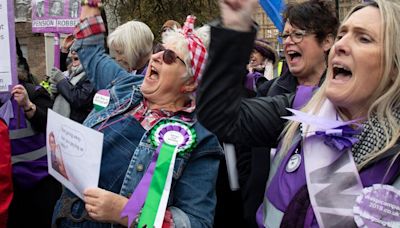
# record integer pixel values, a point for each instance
(316, 16)
(23, 64)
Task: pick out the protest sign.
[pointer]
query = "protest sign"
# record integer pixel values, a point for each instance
(55, 16)
(73, 153)
(8, 69)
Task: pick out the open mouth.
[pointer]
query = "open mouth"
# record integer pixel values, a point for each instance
(153, 74)
(341, 72)
(293, 55)
(253, 62)
(75, 62)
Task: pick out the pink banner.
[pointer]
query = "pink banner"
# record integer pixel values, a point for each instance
(55, 16)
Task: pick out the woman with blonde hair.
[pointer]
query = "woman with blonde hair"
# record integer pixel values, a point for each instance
(338, 162)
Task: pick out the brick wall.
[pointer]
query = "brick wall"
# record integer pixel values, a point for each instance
(34, 47)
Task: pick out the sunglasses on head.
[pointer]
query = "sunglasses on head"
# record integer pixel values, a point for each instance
(169, 56)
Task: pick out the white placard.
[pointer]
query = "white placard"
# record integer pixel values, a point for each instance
(73, 153)
(8, 72)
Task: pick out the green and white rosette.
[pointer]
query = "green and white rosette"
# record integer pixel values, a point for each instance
(171, 138)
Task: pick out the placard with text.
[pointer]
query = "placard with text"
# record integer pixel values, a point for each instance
(8, 68)
(55, 16)
(73, 153)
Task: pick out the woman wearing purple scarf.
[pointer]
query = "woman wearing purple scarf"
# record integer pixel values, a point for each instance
(338, 161)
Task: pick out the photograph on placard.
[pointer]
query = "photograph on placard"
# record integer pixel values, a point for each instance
(56, 8)
(39, 8)
(57, 161)
(74, 8)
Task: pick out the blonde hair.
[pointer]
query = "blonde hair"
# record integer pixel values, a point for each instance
(385, 101)
(135, 39)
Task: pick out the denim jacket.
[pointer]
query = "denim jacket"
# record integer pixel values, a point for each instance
(127, 151)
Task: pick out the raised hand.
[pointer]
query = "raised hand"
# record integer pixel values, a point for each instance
(21, 96)
(67, 43)
(56, 76)
(236, 14)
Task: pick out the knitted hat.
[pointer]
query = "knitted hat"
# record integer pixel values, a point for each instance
(266, 50)
(197, 50)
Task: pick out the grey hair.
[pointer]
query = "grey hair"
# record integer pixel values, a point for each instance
(135, 38)
(176, 37)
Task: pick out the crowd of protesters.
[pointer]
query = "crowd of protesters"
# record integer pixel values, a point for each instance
(315, 128)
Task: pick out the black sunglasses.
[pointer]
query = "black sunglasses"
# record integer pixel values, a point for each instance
(169, 56)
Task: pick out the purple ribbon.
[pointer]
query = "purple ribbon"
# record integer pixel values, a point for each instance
(340, 138)
(6, 110)
(338, 134)
(136, 201)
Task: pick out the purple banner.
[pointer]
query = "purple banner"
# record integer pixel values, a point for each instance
(55, 16)
(8, 68)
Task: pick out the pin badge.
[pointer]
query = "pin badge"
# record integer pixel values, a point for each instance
(101, 99)
(293, 163)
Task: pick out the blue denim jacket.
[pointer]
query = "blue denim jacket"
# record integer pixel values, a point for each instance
(127, 151)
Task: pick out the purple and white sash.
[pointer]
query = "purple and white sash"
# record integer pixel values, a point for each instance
(333, 180)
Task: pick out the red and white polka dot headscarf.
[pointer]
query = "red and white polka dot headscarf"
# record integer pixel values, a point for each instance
(197, 50)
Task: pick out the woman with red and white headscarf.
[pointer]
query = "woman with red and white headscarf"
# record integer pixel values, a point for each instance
(159, 165)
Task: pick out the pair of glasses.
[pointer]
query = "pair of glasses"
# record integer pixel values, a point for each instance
(169, 56)
(296, 36)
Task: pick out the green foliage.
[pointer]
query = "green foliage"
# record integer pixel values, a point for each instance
(155, 12)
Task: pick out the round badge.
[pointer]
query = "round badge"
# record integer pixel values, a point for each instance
(174, 138)
(293, 163)
(101, 99)
(378, 206)
(173, 133)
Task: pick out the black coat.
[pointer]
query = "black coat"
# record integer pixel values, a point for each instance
(253, 162)
(41, 98)
(246, 121)
(286, 83)
(79, 96)
(220, 107)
